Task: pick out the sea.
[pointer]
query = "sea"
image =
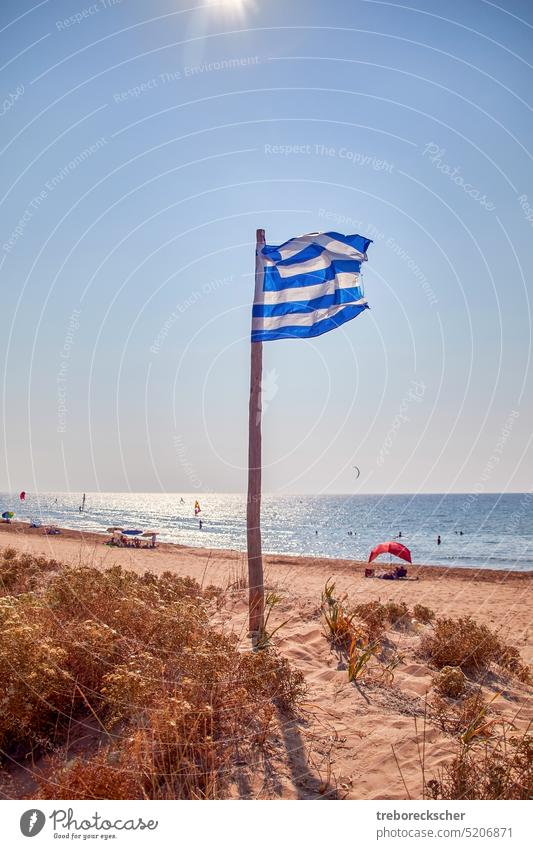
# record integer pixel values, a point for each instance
(491, 531)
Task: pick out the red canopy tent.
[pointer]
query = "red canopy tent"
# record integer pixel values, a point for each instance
(395, 548)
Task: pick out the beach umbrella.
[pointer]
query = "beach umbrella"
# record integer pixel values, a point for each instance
(150, 533)
(395, 548)
(112, 530)
(132, 533)
(7, 514)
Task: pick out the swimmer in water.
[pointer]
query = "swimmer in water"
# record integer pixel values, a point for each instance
(438, 540)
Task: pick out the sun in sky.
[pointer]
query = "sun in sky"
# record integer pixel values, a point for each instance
(237, 7)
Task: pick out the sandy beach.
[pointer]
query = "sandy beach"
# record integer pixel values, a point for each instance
(347, 737)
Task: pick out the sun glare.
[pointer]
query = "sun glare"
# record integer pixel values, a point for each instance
(234, 6)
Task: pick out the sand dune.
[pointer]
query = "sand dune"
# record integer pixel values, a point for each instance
(346, 734)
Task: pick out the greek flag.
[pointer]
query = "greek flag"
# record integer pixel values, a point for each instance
(308, 285)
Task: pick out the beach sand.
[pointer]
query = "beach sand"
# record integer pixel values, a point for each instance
(345, 735)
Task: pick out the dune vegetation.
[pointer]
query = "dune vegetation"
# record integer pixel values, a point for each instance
(165, 703)
(117, 684)
(491, 758)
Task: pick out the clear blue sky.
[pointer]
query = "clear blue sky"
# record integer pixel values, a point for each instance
(142, 144)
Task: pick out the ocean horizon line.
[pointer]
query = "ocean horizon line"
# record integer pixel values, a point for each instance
(264, 493)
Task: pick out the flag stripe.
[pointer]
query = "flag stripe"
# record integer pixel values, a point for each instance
(302, 319)
(308, 332)
(308, 293)
(338, 298)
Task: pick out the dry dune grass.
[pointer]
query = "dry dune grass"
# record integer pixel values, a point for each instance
(472, 647)
(175, 702)
(492, 760)
(122, 684)
(499, 768)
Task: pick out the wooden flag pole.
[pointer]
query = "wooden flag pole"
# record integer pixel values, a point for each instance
(253, 507)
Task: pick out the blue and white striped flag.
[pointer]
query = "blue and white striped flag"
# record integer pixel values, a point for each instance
(308, 285)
